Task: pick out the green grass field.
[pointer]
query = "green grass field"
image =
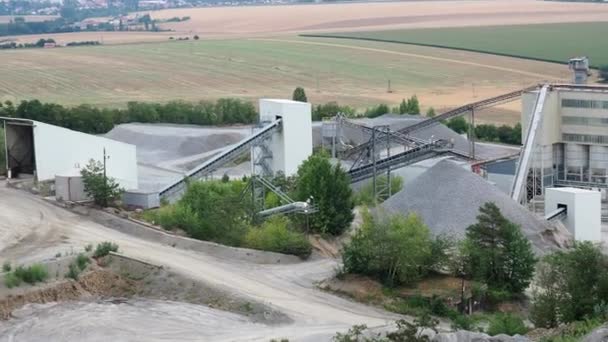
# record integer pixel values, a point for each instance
(552, 42)
(349, 72)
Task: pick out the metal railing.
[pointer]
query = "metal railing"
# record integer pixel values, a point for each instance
(174, 190)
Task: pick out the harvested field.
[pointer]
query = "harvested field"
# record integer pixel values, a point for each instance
(552, 42)
(381, 15)
(349, 72)
(250, 21)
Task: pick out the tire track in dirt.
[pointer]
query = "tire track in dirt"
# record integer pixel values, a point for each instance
(415, 55)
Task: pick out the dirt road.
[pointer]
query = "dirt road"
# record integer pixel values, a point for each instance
(39, 230)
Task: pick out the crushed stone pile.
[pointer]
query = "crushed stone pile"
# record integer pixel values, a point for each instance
(158, 143)
(447, 197)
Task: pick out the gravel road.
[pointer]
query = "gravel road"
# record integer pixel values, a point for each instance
(33, 230)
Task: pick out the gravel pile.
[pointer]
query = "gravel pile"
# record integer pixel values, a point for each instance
(447, 197)
(162, 144)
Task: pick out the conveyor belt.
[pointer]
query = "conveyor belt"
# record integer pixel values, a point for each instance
(173, 191)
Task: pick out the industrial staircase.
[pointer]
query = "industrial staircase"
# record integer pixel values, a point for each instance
(173, 191)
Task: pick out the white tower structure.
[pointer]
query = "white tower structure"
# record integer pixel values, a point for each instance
(580, 68)
(292, 144)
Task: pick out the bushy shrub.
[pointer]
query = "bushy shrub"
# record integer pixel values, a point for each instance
(571, 283)
(276, 236)
(11, 280)
(104, 249)
(82, 261)
(32, 274)
(6, 266)
(213, 211)
(73, 271)
(395, 250)
(462, 322)
(507, 324)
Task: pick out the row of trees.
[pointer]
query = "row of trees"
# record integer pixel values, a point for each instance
(89, 119)
(39, 44)
(488, 132)
(409, 106)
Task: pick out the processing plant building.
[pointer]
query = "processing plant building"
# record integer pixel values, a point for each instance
(571, 143)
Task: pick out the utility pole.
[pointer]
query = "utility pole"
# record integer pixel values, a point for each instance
(105, 178)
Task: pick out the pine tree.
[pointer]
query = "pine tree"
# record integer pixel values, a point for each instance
(499, 254)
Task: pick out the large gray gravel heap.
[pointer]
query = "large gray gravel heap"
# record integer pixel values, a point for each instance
(447, 197)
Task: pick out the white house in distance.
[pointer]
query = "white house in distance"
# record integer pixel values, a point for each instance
(45, 151)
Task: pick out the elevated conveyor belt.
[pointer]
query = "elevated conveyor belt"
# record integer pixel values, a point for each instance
(173, 191)
(523, 167)
(399, 160)
(465, 109)
(380, 136)
(557, 214)
(450, 114)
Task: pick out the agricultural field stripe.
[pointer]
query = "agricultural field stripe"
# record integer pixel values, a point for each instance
(438, 46)
(448, 60)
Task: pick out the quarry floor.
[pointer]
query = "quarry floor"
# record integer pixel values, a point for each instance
(31, 230)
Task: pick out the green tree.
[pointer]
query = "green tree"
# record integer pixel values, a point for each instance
(413, 105)
(299, 95)
(486, 132)
(498, 253)
(403, 107)
(430, 113)
(331, 109)
(395, 249)
(571, 285)
(458, 124)
(603, 73)
(214, 210)
(103, 190)
(377, 111)
(329, 188)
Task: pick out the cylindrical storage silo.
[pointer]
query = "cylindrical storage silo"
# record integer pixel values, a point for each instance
(576, 160)
(598, 162)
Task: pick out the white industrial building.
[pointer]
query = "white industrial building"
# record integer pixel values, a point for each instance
(570, 145)
(293, 144)
(46, 151)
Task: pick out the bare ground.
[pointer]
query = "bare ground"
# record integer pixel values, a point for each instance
(286, 288)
